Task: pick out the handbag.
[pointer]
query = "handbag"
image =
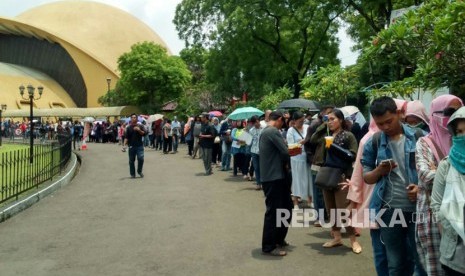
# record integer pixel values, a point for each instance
(329, 178)
(217, 140)
(341, 153)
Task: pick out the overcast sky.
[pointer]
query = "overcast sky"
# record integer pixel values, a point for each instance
(158, 14)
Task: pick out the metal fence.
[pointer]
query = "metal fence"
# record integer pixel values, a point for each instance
(18, 175)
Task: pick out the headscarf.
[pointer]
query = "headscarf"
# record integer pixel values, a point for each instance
(457, 151)
(417, 109)
(401, 104)
(438, 133)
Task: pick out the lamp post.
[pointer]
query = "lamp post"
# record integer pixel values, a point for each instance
(3, 108)
(108, 82)
(31, 91)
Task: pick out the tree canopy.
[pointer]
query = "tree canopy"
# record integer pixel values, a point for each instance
(149, 78)
(257, 43)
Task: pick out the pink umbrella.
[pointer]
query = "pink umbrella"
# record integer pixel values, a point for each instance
(216, 113)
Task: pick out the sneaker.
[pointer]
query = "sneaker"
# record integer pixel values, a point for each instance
(141, 175)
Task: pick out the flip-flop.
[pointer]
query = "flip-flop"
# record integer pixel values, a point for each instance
(332, 243)
(277, 252)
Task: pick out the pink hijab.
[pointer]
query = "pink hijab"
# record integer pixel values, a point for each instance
(439, 134)
(401, 104)
(417, 109)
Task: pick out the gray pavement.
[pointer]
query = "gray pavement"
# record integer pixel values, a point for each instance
(175, 221)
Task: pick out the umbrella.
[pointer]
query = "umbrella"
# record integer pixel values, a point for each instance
(350, 109)
(154, 117)
(299, 103)
(245, 113)
(88, 120)
(216, 113)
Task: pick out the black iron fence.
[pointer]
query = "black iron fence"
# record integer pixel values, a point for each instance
(18, 175)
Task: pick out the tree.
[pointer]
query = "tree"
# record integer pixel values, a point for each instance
(332, 85)
(263, 42)
(426, 46)
(149, 77)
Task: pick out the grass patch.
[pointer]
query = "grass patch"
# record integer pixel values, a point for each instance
(12, 147)
(18, 175)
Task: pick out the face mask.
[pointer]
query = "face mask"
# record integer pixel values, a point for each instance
(419, 125)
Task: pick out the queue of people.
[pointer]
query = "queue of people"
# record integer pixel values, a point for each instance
(404, 170)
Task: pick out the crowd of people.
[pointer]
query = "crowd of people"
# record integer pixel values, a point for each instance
(403, 170)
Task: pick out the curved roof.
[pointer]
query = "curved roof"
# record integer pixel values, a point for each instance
(12, 76)
(94, 35)
(102, 30)
(76, 112)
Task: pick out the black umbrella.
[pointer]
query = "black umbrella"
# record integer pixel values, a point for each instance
(299, 103)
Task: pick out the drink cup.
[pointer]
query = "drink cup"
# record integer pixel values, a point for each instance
(329, 140)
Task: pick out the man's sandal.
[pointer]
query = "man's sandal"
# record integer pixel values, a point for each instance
(277, 252)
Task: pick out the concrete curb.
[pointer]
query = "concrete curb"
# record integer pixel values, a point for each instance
(25, 203)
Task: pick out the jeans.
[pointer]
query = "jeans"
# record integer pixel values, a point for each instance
(256, 165)
(318, 201)
(400, 244)
(278, 196)
(226, 157)
(207, 159)
(133, 152)
(175, 143)
(379, 253)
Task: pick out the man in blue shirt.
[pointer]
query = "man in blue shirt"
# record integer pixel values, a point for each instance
(389, 163)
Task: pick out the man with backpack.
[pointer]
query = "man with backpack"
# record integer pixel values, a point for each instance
(389, 163)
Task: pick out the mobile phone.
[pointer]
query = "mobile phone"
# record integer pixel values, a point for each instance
(387, 162)
(325, 118)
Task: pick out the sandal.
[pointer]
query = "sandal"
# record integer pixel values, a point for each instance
(277, 252)
(332, 244)
(356, 248)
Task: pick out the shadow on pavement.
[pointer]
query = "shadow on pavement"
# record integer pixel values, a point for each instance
(257, 254)
(335, 251)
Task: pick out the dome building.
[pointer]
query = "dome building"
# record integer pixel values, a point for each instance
(70, 48)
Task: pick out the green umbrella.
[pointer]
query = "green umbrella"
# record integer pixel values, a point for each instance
(245, 113)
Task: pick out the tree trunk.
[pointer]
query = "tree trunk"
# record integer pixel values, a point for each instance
(296, 83)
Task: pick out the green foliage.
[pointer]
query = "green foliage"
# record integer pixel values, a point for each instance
(425, 47)
(331, 85)
(257, 43)
(273, 99)
(149, 78)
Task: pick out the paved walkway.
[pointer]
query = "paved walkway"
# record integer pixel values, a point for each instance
(175, 221)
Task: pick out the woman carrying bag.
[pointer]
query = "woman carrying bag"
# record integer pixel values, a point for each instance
(448, 198)
(341, 147)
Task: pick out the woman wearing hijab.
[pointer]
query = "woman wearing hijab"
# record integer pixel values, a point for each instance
(416, 116)
(448, 197)
(430, 151)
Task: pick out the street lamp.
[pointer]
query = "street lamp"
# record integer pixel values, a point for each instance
(3, 108)
(108, 82)
(31, 91)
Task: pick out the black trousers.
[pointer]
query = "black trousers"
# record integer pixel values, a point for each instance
(167, 145)
(190, 146)
(216, 153)
(278, 196)
(240, 162)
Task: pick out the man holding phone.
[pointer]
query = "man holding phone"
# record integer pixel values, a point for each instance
(133, 137)
(391, 166)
